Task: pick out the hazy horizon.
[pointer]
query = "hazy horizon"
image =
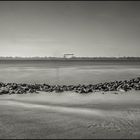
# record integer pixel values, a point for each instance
(69, 57)
(84, 28)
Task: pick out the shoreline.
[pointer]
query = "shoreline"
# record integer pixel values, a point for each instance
(87, 101)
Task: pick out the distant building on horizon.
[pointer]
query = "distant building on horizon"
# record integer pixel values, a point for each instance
(70, 55)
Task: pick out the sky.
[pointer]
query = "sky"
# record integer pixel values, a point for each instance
(84, 28)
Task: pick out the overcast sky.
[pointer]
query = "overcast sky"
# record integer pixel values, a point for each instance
(92, 28)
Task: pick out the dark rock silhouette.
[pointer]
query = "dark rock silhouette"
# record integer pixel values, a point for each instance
(23, 88)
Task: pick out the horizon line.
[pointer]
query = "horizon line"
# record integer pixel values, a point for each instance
(70, 57)
(62, 56)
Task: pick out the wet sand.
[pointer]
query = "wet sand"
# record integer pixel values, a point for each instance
(70, 115)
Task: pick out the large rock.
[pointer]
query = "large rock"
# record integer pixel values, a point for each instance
(11, 91)
(4, 90)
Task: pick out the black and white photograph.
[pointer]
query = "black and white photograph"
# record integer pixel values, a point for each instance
(70, 69)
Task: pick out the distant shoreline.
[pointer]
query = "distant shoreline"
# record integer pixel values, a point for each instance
(58, 62)
(73, 58)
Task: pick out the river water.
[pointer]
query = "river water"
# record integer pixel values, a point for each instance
(66, 72)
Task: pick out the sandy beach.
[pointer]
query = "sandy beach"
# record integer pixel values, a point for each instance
(70, 115)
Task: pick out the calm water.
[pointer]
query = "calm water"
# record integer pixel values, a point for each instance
(66, 72)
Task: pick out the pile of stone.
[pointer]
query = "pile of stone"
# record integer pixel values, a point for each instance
(23, 88)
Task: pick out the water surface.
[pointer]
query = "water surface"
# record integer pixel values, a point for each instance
(66, 72)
